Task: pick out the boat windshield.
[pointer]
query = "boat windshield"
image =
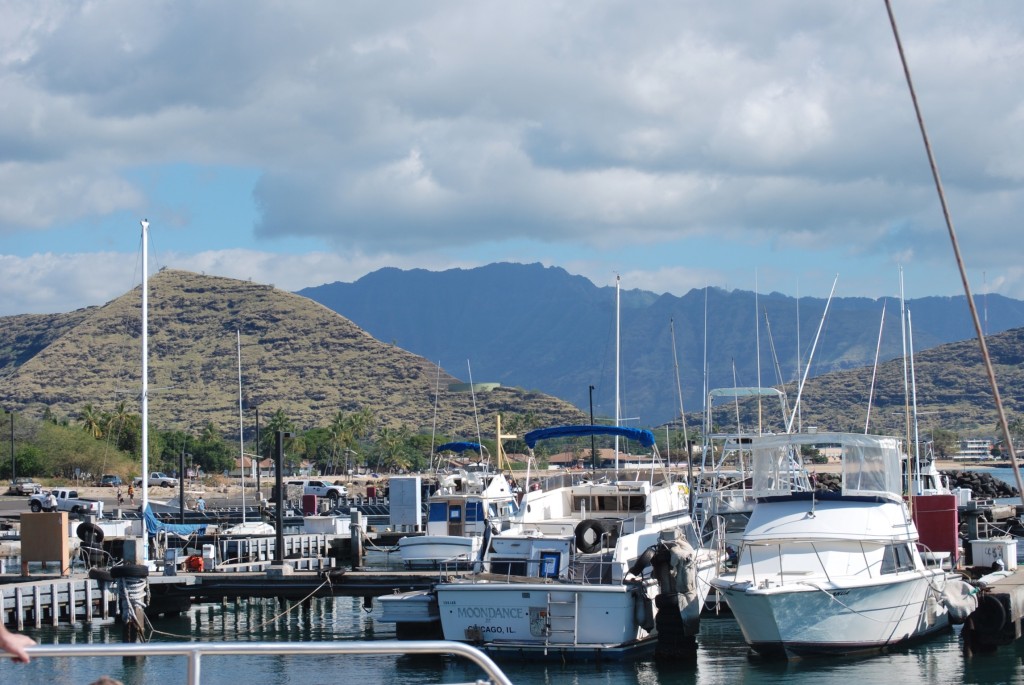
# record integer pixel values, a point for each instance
(870, 463)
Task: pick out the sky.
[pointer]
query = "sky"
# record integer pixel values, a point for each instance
(675, 143)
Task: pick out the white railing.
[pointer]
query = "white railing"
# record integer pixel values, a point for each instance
(194, 651)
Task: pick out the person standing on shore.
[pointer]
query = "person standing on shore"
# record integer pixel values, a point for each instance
(15, 644)
(131, 494)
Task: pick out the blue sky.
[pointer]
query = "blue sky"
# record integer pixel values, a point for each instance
(677, 143)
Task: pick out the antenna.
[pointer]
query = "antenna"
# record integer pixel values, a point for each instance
(800, 390)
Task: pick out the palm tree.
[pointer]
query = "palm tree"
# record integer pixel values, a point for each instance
(92, 421)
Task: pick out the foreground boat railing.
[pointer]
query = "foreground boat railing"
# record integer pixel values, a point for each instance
(194, 651)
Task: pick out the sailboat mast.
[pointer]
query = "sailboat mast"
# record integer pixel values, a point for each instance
(241, 425)
(617, 353)
(913, 394)
(145, 373)
(906, 375)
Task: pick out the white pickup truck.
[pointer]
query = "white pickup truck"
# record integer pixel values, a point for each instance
(320, 488)
(67, 500)
(156, 478)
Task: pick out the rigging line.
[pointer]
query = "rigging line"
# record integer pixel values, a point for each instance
(433, 427)
(874, 369)
(783, 400)
(476, 417)
(803, 381)
(1007, 438)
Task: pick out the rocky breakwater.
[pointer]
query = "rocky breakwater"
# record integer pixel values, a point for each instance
(981, 484)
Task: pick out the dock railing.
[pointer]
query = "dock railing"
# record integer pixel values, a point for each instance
(194, 651)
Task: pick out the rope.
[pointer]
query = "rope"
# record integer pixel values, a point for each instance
(133, 595)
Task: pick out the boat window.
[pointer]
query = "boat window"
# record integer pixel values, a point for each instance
(608, 503)
(897, 558)
(438, 511)
(634, 503)
(474, 511)
(579, 503)
(492, 510)
(508, 567)
(455, 513)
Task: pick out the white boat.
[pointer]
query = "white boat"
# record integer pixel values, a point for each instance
(724, 489)
(587, 570)
(821, 572)
(468, 505)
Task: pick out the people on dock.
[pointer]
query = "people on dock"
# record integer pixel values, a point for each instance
(120, 496)
(131, 494)
(15, 644)
(51, 502)
(201, 505)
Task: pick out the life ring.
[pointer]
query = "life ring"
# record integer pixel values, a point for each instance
(89, 532)
(588, 535)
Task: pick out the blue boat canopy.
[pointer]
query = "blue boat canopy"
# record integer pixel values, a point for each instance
(155, 525)
(641, 435)
(459, 447)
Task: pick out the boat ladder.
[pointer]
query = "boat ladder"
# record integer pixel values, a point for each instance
(563, 617)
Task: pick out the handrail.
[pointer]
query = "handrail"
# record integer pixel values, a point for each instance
(193, 651)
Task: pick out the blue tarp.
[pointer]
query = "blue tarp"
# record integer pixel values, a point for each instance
(155, 525)
(643, 436)
(459, 447)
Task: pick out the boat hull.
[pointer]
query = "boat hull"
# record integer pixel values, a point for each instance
(817, 618)
(439, 551)
(585, 620)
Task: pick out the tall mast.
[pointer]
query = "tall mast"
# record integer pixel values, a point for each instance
(145, 374)
(906, 375)
(241, 425)
(617, 353)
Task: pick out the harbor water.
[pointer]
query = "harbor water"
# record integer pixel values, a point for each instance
(721, 658)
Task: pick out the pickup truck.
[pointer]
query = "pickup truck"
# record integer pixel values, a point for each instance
(25, 486)
(320, 488)
(67, 500)
(157, 478)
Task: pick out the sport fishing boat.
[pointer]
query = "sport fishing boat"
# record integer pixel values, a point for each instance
(468, 505)
(823, 572)
(586, 570)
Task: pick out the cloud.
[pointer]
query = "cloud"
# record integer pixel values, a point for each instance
(409, 131)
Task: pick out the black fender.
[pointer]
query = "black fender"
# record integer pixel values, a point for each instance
(89, 532)
(129, 571)
(588, 535)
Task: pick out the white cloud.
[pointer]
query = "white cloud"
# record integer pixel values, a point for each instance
(403, 131)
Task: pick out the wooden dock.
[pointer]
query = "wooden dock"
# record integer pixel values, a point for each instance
(52, 601)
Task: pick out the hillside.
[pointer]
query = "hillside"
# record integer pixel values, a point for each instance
(296, 356)
(953, 392)
(541, 327)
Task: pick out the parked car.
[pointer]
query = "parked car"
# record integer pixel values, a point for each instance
(158, 478)
(25, 486)
(110, 481)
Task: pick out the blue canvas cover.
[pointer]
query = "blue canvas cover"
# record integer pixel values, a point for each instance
(643, 436)
(154, 525)
(459, 447)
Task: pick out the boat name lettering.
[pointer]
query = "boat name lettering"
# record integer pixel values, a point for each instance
(489, 613)
(506, 630)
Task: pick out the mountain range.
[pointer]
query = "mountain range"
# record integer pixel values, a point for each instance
(294, 355)
(540, 327)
